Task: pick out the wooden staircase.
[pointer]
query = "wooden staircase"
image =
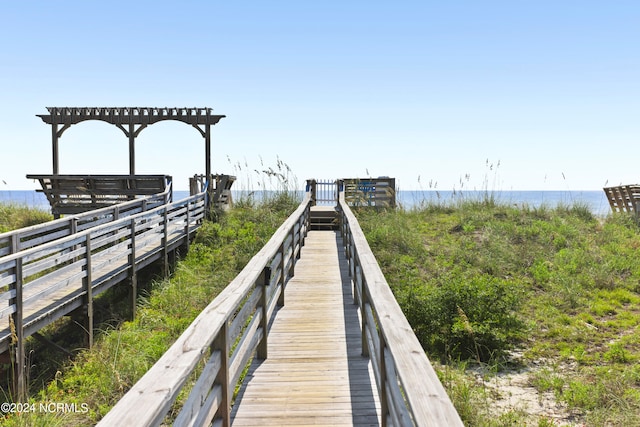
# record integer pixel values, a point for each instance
(323, 218)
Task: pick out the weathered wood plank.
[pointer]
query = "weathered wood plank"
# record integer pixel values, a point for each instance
(624, 198)
(315, 374)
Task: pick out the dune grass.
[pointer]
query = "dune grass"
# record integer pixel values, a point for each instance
(550, 291)
(14, 216)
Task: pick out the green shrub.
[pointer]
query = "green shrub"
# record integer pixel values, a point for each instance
(476, 317)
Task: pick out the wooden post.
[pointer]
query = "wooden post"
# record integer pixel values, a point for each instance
(300, 236)
(384, 404)
(221, 344)
(19, 386)
(89, 293)
(283, 275)
(165, 244)
(292, 269)
(186, 227)
(364, 301)
(132, 148)
(207, 150)
(312, 187)
(54, 148)
(265, 278)
(133, 274)
(307, 219)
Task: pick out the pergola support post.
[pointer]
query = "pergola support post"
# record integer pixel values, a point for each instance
(54, 147)
(132, 149)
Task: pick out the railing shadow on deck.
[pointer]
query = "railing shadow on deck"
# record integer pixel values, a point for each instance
(363, 402)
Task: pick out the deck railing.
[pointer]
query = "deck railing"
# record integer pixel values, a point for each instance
(219, 343)
(47, 281)
(409, 389)
(28, 237)
(624, 198)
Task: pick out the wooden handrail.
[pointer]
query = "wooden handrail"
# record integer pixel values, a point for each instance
(410, 392)
(223, 336)
(45, 282)
(28, 237)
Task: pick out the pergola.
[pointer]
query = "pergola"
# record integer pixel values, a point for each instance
(131, 120)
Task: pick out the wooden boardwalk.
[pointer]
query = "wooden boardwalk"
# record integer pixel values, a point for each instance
(314, 374)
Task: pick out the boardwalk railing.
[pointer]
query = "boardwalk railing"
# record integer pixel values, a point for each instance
(624, 198)
(219, 343)
(49, 280)
(28, 237)
(410, 392)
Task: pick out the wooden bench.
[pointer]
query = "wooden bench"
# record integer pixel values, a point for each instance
(72, 194)
(624, 198)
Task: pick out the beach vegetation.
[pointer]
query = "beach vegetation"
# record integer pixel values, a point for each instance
(14, 216)
(492, 289)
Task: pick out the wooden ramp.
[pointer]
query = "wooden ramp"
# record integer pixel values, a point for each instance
(314, 374)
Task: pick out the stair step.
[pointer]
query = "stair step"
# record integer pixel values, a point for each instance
(323, 218)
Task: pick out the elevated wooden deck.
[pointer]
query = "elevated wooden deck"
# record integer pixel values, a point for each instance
(292, 307)
(315, 373)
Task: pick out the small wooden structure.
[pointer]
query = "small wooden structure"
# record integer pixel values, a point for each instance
(221, 190)
(69, 194)
(373, 192)
(624, 198)
(370, 192)
(378, 192)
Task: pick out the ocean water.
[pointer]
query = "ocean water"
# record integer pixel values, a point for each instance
(595, 200)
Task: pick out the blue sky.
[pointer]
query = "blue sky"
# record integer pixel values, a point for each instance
(422, 91)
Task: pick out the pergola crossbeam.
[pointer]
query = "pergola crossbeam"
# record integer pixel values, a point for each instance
(126, 119)
(127, 115)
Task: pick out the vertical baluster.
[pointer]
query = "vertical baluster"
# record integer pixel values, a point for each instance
(133, 274)
(88, 292)
(283, 275)
(384, 404)
(221, 343)
(187, 225)
(165, 243)
(263, 281)
(17, 318)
